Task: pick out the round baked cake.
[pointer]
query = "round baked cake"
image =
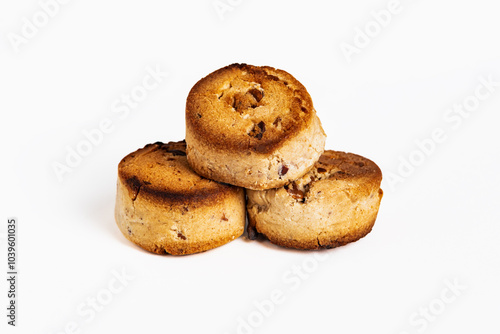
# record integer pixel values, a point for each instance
(333, 204)
(250, 126)
(165, 207)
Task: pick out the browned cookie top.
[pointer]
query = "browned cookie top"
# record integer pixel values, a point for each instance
(341, 166)
(245, 107)
(161, 172)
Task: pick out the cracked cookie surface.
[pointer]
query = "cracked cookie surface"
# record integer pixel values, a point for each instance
(333, 204)
(246, 124)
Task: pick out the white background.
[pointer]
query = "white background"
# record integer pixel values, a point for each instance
(439, 223)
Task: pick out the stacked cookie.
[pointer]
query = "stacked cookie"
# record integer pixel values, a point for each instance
(255, 128)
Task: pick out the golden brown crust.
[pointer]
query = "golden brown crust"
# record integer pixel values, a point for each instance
(174, 180)
(244, 107)
(166, 208)
(253, 127)
(336, 165)
(348, 165)
(335, 203)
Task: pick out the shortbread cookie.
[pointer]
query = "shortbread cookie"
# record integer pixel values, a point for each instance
(165, 207)
(253, 127)
(333, 204)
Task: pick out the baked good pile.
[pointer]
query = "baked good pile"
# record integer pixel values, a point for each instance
(254, 146)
